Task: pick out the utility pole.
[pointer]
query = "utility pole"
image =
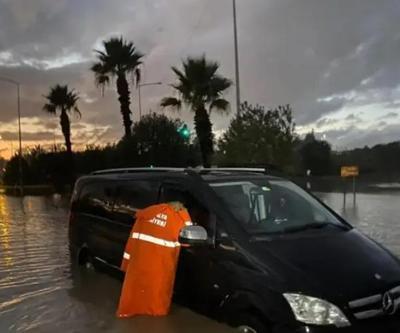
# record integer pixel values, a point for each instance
(21, 179)
(17, 84)
(140, 97)
(235, 34)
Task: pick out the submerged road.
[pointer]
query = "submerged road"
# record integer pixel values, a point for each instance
(39, 292)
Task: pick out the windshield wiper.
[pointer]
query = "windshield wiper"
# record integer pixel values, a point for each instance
(309, 227)
(263, 234)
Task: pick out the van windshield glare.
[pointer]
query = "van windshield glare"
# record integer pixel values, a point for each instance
(276, 206)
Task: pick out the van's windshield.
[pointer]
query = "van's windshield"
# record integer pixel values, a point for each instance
(277, 206)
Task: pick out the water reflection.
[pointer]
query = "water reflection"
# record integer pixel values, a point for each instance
(6, 258)
(376, 214)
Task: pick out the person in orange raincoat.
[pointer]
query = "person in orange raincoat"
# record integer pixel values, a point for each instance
(150, 260)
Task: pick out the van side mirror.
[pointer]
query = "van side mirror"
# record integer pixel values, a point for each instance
(193, 235)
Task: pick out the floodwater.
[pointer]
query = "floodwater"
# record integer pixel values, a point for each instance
(40, 292)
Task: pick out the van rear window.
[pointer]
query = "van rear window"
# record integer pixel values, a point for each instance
(97, 199)
(118, 201)
(132, 196)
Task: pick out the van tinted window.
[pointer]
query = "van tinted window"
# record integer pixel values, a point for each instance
(134, 195)
(97, 199)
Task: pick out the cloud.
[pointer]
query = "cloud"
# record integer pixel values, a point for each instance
(325, 121)
(28, 136)
(390, 115)
(352, 137)
(326, 59)
(353, 118)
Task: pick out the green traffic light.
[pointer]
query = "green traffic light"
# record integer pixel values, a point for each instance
(184, 132)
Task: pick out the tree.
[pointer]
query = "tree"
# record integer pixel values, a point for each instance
(61, 99)
(11, 174)
(201, 88)
(156, 141)
(259, 137)
(119, 59)
(315, 155)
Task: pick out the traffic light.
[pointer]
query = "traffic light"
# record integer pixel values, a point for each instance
(184, 132)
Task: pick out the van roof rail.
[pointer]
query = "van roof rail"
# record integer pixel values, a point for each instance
(251, 170)
(134, 170)
(189, 170)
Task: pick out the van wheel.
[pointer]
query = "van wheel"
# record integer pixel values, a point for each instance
(251, 324)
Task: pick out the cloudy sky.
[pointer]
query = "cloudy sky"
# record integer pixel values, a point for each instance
(336, 61)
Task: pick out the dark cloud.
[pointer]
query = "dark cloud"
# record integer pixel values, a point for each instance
(390, 115)
(319, 56)
(317, 109)
(353, 118)
(325, 121)
(393, 105)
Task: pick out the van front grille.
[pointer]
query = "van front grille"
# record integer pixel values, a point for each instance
(387, 303)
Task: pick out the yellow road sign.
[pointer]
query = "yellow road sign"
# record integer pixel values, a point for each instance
(349, 171)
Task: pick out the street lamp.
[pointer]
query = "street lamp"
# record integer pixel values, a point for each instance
(139, 95)
(17, 84)
(235, 36)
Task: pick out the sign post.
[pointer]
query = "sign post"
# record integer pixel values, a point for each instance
(350, 171)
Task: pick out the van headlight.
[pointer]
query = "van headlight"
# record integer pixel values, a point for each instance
(315, 311)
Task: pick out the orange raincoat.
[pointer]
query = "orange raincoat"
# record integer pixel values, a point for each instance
(150, 261)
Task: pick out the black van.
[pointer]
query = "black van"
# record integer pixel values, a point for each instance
(276, 258)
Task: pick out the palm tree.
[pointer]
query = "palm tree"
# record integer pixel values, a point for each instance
(60, 98)
(119, 59)
(200, 87)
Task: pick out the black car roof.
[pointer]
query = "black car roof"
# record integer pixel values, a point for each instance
(233, 177)
(209, 175)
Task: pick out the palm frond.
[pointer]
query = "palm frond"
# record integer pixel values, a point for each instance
(220, 104)
(102, 80)
(181, 76)
(49, 108)
(199, 85)
(171, 102)
(97, 67)
(137, 76)
(118, 56)
(77, 112)
(219, 84)
(61, 98)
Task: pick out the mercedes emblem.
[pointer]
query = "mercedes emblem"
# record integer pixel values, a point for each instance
(388, 304)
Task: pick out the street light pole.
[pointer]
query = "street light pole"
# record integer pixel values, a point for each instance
(140, 97)
(21, 180)
(17, 84)
(235, 34)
